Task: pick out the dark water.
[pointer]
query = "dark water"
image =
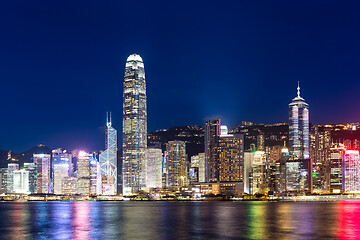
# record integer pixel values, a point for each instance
(179, 220)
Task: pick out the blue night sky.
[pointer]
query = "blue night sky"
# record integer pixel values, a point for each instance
(62, 64)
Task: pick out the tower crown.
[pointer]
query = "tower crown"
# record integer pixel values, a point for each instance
(134, 57)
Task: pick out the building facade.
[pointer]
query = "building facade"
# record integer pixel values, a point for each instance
(108, 160)
(154, 168)
(42, 162)
(83, 170)
(299, 165)
(176, 164)
(299, 128)
(212, 132)
(198, 161)
(134, 126)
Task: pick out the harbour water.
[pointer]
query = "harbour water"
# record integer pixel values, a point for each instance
(180, 220)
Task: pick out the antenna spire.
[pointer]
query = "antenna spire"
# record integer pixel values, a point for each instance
(298, 90)
(108, 119)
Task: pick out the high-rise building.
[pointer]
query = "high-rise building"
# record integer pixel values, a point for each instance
(154, 168)
(212, 132)
(336, 168)
(69, 186)
(176, 164)
(21, 181)
(60, 171)
(320, 143)
(248, 165)
(83, 170)
(31, 168)
(198, 161)
(299, 164)
(231, 157)
(224, 153)
(108, 159)
(7, 180)
(259, 173)
(42, 162)
(134, 126)
(63, 156)
(298, 128)
(351, 171)
(96, 178)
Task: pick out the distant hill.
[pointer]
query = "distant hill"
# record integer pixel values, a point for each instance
(192, 135)
(24, 157)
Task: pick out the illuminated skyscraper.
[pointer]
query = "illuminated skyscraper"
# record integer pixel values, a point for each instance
(231, 156)
(212, 132)
(61, 167)
(154, 168)
(83, 169)
(351, 171)
(134, 126)
(95, 178)
(224, 154)
(198, 161)
(299, 128)
(176, 164)
(21, 181)
(299, 164)
(108, 160)
(42, 162)
(31, 168)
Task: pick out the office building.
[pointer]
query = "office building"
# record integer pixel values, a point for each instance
(134, 126)
(83, 171)
(154, 168)
(42, 162)
(108, 160)
(176, 164)
(96, 179)
(31, 168)
(299, 165)
(299, 128)
(198, 161)
(69, 186)
(21, 181)
(212, 132)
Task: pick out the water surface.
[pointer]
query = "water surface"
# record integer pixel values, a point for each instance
(180, 220)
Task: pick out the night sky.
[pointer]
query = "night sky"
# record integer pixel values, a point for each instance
(62, 64)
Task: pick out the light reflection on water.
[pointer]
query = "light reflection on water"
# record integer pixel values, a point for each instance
(179, 220)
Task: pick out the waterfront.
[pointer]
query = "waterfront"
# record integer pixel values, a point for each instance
(180, 220)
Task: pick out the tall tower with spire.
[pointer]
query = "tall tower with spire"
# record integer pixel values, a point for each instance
(108, 159)
(298, 128)
(134, 126)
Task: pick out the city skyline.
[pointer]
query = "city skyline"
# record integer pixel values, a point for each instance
(245, 55)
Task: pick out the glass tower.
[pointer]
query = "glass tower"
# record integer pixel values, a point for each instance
(299, 128)
(108, 160)
(134, 126)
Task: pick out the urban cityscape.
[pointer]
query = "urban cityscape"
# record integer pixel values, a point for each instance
(296, 160)
(179, 120)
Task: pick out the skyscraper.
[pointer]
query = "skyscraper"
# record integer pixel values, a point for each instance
(299, 128)
(154, 168)
(134, 126)
(42, 162)
(108, 160)
(176, 164)
(83, 170)
(198, 161)
(212, 132)
(61, 168)
(224, 153)
(31, 168)
(299, 164)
